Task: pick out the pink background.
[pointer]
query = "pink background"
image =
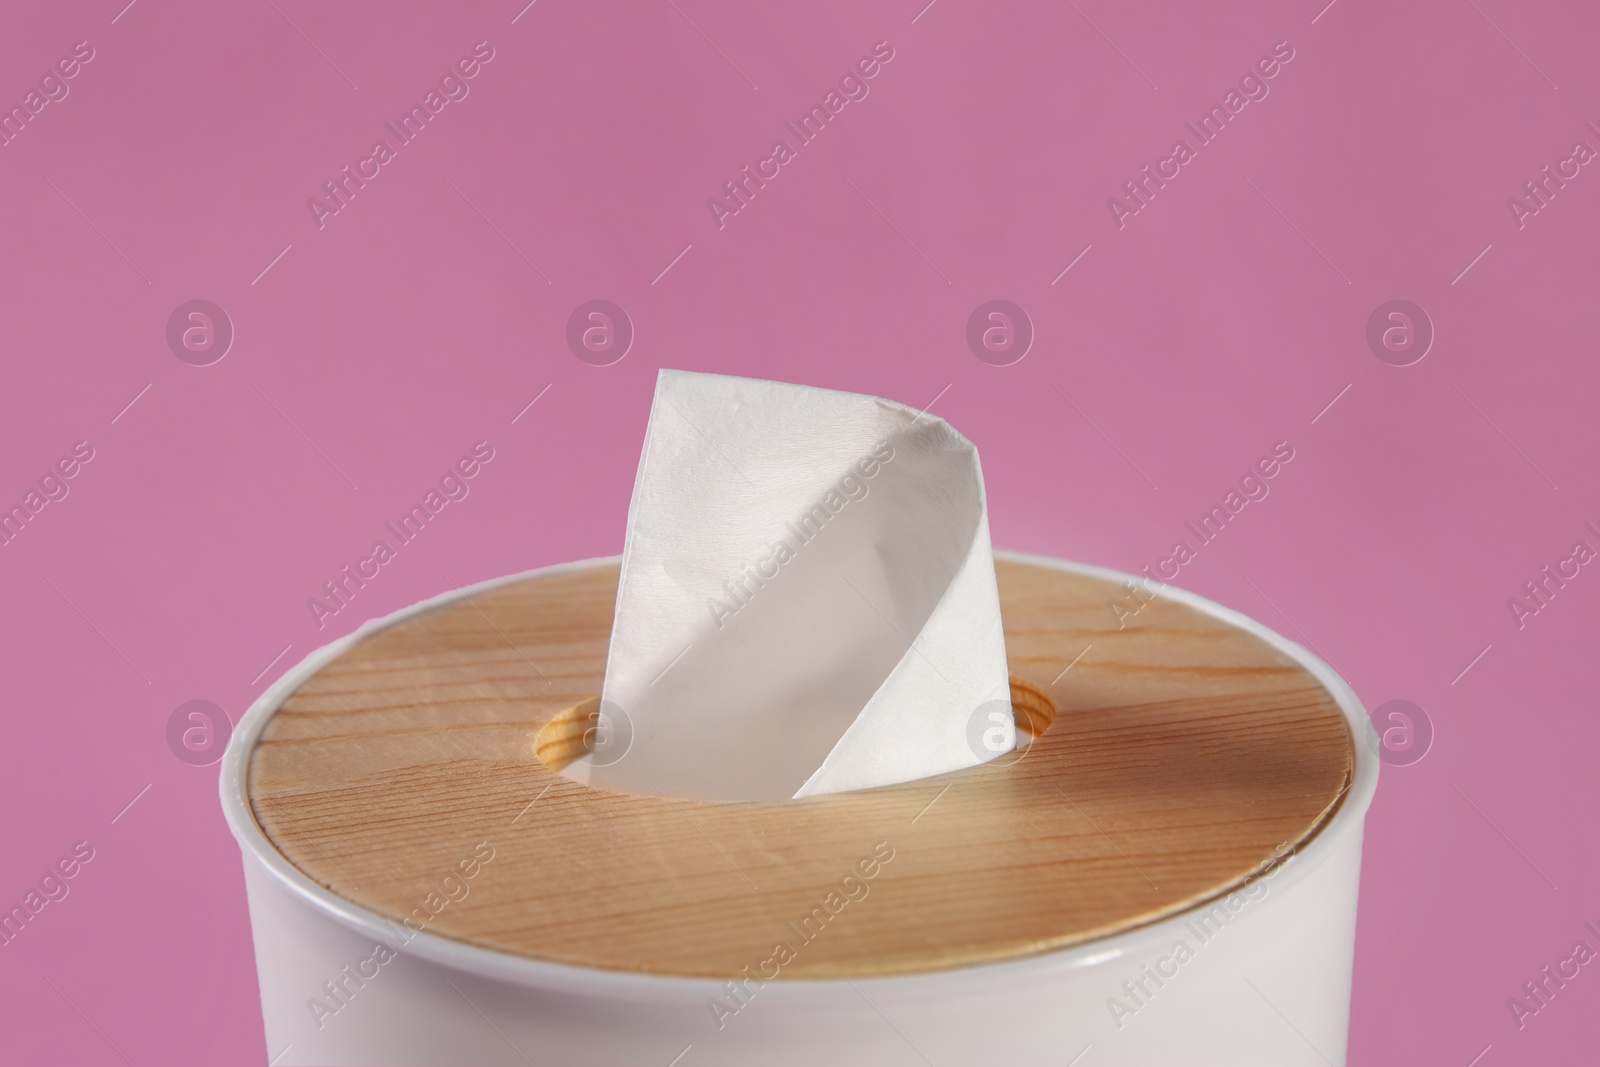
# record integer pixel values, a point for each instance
(1222, 318)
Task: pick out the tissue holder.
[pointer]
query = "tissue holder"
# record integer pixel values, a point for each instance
(1168, 874)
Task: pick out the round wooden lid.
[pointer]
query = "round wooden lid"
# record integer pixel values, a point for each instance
(1187, 752)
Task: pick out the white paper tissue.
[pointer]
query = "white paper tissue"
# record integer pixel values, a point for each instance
(808, 600)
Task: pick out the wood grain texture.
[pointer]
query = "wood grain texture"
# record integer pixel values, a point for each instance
(1185, 753)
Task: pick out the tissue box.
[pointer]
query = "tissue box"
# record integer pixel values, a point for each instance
(1167, 874)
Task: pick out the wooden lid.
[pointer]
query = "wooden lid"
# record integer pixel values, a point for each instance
(1186, 753)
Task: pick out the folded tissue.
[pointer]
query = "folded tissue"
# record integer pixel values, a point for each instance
(807, 602)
